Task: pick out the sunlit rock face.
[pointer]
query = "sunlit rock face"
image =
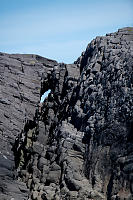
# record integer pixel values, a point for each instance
(78, 143)
(20, 86)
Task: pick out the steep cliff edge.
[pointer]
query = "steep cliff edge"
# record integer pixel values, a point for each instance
(78, 144)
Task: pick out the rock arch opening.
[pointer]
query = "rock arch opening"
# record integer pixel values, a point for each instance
(44, 95)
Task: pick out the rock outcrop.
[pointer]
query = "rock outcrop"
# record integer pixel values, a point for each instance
(20, 85)
(78, 143)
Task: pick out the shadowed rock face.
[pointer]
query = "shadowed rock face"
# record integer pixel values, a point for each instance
(78, 144)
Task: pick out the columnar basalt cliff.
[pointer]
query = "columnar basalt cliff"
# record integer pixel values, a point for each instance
(78, 143)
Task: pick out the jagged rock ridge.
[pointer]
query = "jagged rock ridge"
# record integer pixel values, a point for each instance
(78, 143)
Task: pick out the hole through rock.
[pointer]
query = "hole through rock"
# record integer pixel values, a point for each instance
(45, 95)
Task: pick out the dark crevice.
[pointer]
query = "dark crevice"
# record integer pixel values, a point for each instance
(88, 54)
(130, 134)
(109, 187)
(22, 149)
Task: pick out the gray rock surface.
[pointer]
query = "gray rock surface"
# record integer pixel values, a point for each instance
(20, 85)
(78, 143)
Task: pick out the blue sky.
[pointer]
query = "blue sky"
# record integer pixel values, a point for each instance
(45, 95)
(59, 29)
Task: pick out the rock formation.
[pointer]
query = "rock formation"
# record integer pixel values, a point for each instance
(78, 143)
